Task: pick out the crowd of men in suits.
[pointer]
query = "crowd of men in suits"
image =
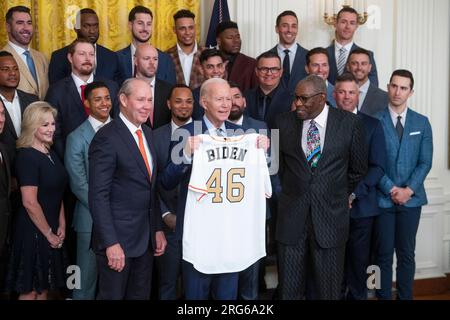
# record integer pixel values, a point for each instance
(353, 158)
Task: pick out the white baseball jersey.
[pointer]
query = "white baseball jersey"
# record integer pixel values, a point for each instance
(225, 214)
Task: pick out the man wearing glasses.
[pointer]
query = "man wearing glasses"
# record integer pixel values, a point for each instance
(322, 158)
(270, 97)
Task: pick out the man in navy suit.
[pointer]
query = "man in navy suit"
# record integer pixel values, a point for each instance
(140, 24)
(215, 97)
(363, 200)
(106, 63)
(371, 99)
(292, 54)
(180, 103)
(409, 144)
(98, 100)
(346, 25)
(146, 66)
(122, 198)
(270, 98)
(317, 63)
(67, 95)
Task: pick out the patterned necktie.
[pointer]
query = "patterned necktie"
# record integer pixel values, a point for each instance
(341, 61)
(286, 65)
(143, 153)
(312, 145)
(86, 109)
(399, 127)
(31, 65)
(219, 132)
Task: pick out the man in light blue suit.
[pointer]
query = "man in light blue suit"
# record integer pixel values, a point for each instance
(140, 23)
(409, 146)
(98, 101)
(317, 62)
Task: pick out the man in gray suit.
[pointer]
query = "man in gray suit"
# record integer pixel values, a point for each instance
(371, 98)
(98, 101)
(322, 159)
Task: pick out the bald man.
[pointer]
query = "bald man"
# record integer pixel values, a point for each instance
(146, 66)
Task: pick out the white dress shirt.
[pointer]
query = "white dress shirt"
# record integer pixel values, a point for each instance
(14, 111)
(79, 82)
(394, 116)
(292, 53)
(321, 124)
(174, 126)
(96, 125)
(186, 61)
(20, 51)
(133, 130)
(337, 48)
(363, 93)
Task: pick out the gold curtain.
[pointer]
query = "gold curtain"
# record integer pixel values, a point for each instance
(53, 21)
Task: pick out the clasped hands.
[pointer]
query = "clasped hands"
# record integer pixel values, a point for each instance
(400, 196)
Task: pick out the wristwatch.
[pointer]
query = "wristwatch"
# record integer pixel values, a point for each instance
(352, 196)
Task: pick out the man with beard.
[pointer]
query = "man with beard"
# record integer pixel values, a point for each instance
(67, 95)
(146, 66)
(140, 21)
(106, 63)
(248, 278)
(33, 65)
(240, 68)
(291, 53)
(180, 103)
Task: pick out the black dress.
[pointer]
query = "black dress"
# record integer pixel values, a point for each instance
(34, 265)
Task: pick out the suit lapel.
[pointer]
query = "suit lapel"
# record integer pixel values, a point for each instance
(296, 62)
(24, 71)
(332, 128)
(130, 143)
(148, 134)
(87, 132)
(8, 123)
(73, 91)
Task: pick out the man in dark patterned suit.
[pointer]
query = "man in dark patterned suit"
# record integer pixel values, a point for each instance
(322, 159)
(186, 52)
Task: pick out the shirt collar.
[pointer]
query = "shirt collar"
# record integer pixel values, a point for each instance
(181, 52)
(96, 124)
(79, 82)
(347, 47)
(16, 97)
(394, 114)
(174, 126)
(129, 125)
(321, 119)
(211, 127)
(292, 49)
(365, 87)
(18, 49)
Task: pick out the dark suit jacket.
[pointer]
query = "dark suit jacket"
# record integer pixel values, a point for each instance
(373, 75)
(122, 197)
(197, 111)
(322, 193)
(281, 102)
(179, 174)
(366, 204)
(9, 135)
(161, 115)
(64, 96)
(243, 72)
(5, 191)
(166, 68)
(375, 101)
(298, 71)
(107, 65)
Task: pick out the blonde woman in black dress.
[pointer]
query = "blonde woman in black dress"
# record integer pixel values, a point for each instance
(36, 264)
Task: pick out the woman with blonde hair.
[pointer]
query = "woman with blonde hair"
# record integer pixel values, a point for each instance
(36, 263)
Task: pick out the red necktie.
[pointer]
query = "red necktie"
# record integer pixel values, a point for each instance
(83, 86)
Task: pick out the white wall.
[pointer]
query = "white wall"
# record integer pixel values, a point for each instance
(411, 34)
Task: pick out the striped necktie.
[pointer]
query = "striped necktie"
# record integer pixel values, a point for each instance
(341, 61)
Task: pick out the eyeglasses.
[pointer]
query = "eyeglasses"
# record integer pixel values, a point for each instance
(306, 99)
(273, 70)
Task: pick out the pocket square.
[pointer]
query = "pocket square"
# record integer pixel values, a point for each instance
(414, 133)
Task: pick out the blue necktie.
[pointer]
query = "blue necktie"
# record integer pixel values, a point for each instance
(286, 65)
(31, 66)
